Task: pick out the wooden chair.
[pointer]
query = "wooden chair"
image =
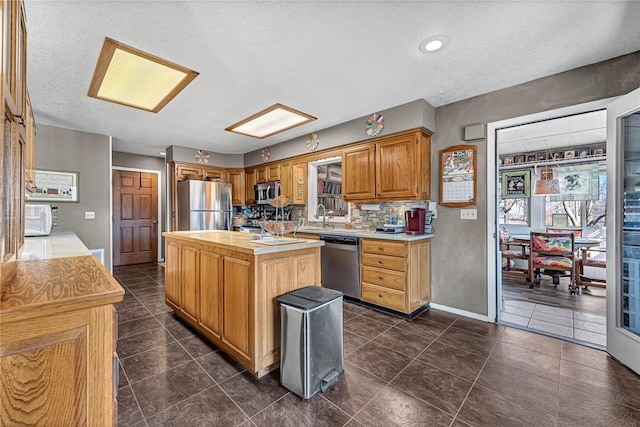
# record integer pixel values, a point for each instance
(553, 254)
(510, 251)
(588, 259)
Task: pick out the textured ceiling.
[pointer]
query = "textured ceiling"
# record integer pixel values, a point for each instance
(334, 60)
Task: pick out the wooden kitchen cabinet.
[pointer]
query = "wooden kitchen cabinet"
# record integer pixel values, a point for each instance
(30, 149)
(286, 180)
(210, 292)
(396, 167)
(58, 365)
(188, 171)
(236, 178)
(395, 275)
(249, 182)
(358, 173)
(274, 172)
(235, 291)
(299, 184)
(214, 174)
(261, 174)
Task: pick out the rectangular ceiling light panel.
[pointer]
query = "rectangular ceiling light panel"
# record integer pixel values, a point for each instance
(270, 121)
(128, 76)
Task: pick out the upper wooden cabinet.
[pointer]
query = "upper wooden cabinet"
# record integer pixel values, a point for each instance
(397, 167)
(188, 171)
(214, 174)
(299, 182)
(261, 174)
(358, 173)
(286, 182)
(249, 183)
(236, 178)
(274, 172)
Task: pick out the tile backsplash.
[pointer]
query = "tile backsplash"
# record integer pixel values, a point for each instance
(368, 220)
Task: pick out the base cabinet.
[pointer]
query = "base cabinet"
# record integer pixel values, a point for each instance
(235, 295)
(395, 275)
(58, 361)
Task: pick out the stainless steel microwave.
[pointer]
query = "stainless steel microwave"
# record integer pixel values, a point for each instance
(265, 191)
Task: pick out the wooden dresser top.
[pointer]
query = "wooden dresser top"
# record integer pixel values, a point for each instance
(51, 286)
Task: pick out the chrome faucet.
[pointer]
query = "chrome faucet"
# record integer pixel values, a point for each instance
(324, 215)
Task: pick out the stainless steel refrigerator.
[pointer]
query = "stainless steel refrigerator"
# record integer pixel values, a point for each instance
(204, 205)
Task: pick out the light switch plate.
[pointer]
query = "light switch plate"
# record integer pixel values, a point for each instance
(469, 214)
(89, 215)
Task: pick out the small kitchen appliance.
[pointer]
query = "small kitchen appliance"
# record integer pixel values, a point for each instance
(414, 221)
(38, 220)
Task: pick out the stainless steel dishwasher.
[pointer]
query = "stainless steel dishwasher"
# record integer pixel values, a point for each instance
(341, 264)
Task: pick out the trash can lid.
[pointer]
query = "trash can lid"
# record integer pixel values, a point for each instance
(309, 298)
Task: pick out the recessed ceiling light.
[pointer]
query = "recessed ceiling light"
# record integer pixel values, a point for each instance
(162, 153)
(433, 44)
(270, 121)
(131, 77)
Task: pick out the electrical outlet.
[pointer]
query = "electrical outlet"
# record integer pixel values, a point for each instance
(469, 214)
(89, 215)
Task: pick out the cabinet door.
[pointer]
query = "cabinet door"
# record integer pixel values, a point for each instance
(190, 267)
(249, 182)
(214, 174)
(236, 303)
(358, 173)
(171, 275)
(189, 172)
(286, 184)
(299, 192)
(236, 178)
(210, 292)
(30, 153)
(262, 174)
(396, 175)
(274, 172)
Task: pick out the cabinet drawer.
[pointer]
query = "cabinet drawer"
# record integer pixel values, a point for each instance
(387, 278)
(383, 247)
(383, 261)
(382, 296)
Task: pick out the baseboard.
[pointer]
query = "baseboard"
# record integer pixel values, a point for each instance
(459, 312)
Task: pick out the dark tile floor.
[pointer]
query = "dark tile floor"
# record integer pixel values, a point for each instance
(439, 369)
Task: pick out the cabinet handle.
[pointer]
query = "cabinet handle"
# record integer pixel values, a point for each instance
(380, 248)
(381, 277)
(379, 261)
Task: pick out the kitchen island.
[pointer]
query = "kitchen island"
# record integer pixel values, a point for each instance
(225, 285)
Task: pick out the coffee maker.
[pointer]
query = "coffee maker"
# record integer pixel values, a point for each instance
(414, 221)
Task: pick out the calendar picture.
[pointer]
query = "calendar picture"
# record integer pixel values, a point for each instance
(458, 176)
(516, 184)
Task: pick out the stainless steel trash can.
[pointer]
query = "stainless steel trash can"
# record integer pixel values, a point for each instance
(311, 348)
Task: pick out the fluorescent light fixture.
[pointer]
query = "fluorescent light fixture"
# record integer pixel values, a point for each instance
(434, 43)
(270, 121)
(131, 77)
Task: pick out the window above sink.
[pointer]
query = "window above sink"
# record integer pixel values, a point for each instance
(325, 188)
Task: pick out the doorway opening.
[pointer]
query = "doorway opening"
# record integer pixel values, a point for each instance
(570, 302)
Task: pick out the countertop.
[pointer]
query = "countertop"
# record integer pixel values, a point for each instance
(56, 245)
(244, 242)
(369, 234)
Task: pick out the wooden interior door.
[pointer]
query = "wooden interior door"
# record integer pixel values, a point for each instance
(135, 217)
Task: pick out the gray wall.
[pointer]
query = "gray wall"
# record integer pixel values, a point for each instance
(412, 115)
(177, 153)
(89, 154)
(459, 252)
(136, 161)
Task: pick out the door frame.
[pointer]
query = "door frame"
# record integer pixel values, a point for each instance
(621, 343)
(159, 207)
(494, 280)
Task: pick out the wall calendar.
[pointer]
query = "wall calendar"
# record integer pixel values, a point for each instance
(458, 176)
